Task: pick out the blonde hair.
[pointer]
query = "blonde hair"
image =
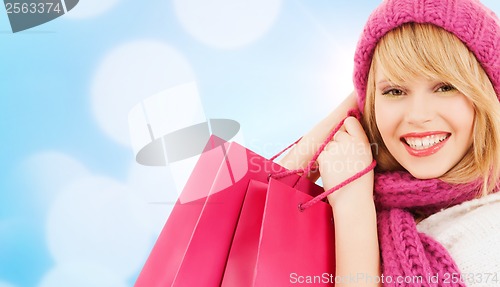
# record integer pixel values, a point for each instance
(413, 50)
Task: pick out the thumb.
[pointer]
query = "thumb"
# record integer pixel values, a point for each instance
(354, 128)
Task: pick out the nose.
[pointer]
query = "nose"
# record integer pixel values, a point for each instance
(420, 109)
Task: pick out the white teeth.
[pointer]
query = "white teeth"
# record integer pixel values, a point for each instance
(425, 142)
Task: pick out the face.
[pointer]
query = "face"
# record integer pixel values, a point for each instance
(425, 124)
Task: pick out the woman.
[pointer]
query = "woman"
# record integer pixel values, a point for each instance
(427, 82)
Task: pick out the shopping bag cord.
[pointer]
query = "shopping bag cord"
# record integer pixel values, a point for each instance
(321, 196)
(310, 166)
(287, 148)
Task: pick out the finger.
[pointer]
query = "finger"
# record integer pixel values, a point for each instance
(331, 146)
(341, 129)
(341, 136)
(353, 127)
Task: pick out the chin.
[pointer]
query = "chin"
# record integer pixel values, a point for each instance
(425, 174)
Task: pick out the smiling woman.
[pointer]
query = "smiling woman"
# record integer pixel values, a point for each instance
(428, 94)
(424, 126)
(427, 84)
(431, 94)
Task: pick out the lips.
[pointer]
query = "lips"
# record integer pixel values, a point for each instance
(424, 144)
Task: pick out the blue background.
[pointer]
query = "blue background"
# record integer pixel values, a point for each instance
(64, 176)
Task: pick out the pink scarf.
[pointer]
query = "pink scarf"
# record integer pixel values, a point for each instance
(406, 253)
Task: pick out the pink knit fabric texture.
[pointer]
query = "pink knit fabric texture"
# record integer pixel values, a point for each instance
(474, 24)
(407, 255)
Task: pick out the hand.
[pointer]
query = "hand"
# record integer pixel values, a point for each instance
(301, 154)
(346, 155)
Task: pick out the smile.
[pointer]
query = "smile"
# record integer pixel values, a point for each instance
(424, 144)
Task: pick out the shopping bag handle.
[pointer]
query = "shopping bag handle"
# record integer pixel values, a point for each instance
(354, 113)
(307, 204)
(287, 148)
(351, 113)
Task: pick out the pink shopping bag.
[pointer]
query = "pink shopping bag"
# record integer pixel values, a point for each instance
(193, 247)
(237, 224)
(276, 243)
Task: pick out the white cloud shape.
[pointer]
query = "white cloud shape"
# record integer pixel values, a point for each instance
(51, 171)
(99, 230)
(97, 219)
(129, 74)
(227, 24)
(156, 187)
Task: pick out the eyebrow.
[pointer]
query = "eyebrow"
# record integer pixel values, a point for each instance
(383, 82)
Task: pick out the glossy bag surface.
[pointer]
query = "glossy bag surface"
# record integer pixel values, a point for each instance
(243, 220)
(276, 244)
(194, 245)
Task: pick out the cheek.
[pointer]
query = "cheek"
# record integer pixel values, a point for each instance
(461, 114)
(386, 116)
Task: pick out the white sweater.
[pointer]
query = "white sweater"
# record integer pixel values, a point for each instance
(471, 234)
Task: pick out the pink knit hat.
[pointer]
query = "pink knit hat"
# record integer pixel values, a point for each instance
(473, 23)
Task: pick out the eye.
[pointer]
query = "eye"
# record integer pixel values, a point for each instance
(393, 92)
(445, 88)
